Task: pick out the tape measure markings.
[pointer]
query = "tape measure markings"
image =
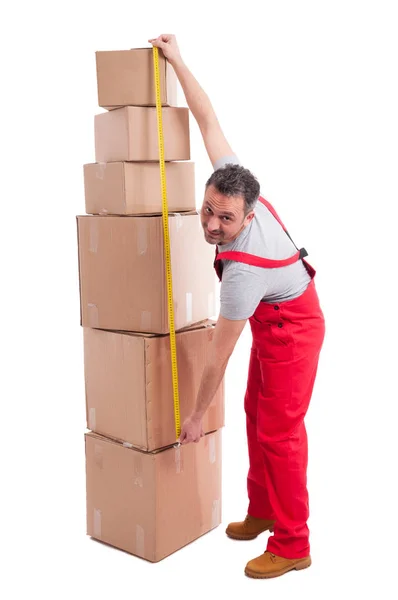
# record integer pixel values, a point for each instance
(166, 243)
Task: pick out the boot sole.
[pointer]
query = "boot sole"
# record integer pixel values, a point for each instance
(251, 536)
(298, 567)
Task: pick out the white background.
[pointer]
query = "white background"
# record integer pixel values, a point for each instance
(306, 93)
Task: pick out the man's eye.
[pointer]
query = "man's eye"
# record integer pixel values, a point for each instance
(226, 218)
(207, 209)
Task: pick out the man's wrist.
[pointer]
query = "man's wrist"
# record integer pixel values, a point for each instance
(197, 415)
(176, 63)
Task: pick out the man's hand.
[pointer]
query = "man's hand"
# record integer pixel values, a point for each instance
(168, 44)
(191, 430)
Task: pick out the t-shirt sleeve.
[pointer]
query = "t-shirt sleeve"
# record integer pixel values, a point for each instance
(224, 160)
(242, 289)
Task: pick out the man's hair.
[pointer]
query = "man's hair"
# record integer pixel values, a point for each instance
(235, 180)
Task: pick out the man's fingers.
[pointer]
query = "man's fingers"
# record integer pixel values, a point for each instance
(190, 433)
(158, 44)
(166, 37)
(187, 439)
(184, 437)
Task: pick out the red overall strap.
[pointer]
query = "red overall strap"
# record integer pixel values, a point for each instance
(257, 261)
(272, 211)
(303, 252)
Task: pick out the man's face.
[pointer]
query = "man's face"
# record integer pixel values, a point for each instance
(223, 217)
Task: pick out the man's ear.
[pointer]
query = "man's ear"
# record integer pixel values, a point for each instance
(249, 216)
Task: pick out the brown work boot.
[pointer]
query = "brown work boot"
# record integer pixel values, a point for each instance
(249, 528)
(269, 565)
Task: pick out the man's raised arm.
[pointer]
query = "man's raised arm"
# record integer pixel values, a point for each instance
(197, 100)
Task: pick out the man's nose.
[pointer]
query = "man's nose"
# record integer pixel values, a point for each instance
(213, 223)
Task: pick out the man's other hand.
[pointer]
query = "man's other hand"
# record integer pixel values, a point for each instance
(191, 430)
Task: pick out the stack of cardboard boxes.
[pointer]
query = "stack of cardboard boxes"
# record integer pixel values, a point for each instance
(145, 495)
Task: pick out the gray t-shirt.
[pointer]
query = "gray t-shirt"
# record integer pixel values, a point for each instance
(243, 286)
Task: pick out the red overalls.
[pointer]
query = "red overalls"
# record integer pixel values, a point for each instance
(287, 340)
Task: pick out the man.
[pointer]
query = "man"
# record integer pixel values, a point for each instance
(264, 279)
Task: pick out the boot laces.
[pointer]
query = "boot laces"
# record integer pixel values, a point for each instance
(246, 521)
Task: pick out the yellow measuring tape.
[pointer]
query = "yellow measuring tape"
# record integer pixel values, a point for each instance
(166, 242)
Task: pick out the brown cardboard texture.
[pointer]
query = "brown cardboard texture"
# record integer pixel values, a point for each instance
(129, 391)
(122, 272)
(131, 133)
(128, 188)
(152, 504)
(126, 77)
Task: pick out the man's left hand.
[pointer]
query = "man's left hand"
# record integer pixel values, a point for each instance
(191, 430)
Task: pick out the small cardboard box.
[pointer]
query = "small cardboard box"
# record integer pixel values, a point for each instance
(128, 188)
(152, 504)
(123, 282)
(129, 390)
(131, 133)
(126, 78)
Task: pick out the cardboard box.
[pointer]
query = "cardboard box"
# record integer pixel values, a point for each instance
(131, 133)
(128, 188)
(123, 282)
(126, 77)
(129, 390)
(152, 504)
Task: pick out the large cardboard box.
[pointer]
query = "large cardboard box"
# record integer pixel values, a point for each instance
(131, 133)
(152, 504)
(123, 282)
(126, 77)
(128, 188)
(129, 391)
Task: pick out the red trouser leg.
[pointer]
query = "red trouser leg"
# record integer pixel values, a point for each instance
(259, 503)
(284, 444)
(288, 373)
